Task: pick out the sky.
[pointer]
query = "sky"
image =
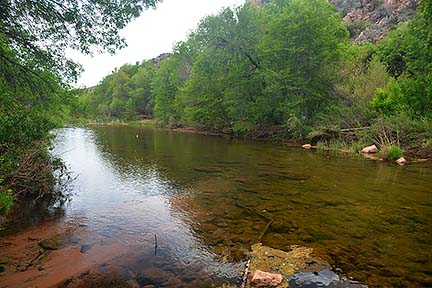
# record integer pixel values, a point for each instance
(153, 33)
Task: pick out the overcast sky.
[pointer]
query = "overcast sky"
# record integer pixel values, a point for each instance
(153, 33)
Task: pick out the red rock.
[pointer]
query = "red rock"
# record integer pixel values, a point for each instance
(401, 161)
(260, 279)
(370, 149)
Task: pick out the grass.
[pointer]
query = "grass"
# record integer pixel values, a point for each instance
(392, 152)
(336, 144)
(357, 147)
(321, 145)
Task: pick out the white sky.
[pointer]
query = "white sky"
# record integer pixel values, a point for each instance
(153, 33)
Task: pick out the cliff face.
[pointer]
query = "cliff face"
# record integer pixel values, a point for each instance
(370, 20)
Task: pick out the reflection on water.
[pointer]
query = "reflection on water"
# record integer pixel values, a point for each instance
(127, 200)
(207, 199)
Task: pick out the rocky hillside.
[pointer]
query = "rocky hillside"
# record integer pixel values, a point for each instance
(370, 20)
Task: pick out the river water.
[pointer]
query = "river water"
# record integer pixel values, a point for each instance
(170, 209)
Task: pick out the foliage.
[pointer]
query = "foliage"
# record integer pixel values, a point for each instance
(388, 100)
(61, 24)
(407, 52)
(390, 152)
(33, 68)
(402, 130)
(6, 199)
(361, 74)
(288, 64)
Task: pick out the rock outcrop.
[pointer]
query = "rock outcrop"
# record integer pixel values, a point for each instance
(370, 20)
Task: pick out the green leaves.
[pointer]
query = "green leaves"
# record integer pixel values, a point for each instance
(407, 52)
(40, 31)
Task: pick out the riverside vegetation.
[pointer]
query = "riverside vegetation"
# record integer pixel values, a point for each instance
(34, 93)
(286, 69)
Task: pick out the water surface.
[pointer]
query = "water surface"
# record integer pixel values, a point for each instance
(204, 197)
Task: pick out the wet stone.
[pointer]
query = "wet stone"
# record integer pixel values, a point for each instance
(53, 243)
(325, 278)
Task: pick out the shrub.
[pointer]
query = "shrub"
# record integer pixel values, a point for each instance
(241, 128)
(391, 152)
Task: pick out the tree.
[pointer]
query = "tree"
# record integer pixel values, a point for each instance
(34, 36)
(302, 49)
(141, 91)
(407, 51)
(40, 31)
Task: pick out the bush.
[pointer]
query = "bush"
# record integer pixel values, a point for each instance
(391, 152)
(402, 130)
(241, 128)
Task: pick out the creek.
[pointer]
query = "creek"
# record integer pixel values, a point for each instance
(170, 209)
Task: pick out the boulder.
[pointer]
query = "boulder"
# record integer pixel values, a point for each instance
(370, 149)
(401, 161)
(260, 279)
(307, 146)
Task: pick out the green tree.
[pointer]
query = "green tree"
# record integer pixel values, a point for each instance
(302, 49)
(407, 51)
(141, 92)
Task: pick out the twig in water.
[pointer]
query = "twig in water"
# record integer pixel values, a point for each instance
(155, 244)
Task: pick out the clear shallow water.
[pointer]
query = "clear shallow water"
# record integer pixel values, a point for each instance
(204, 198)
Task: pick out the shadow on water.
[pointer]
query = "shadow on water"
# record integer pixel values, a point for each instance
(209, 198)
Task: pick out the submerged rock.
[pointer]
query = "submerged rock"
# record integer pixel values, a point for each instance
(370, 149)
(262, 279)
(53, 243)
(325, 279)
(153, 276)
